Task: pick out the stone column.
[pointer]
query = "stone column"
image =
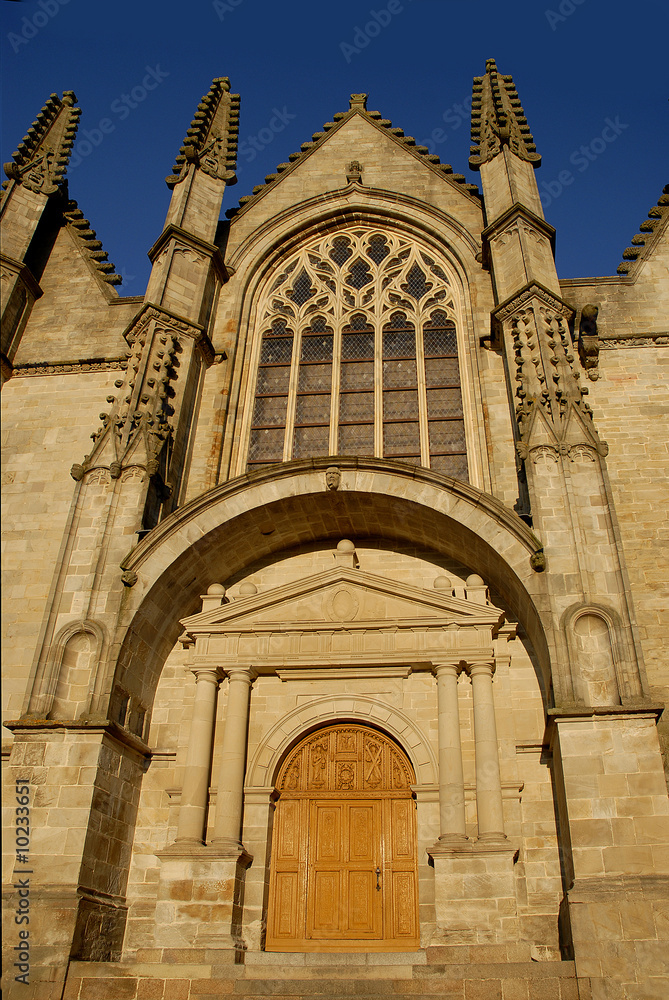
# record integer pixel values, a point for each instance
(451, 779)
(190, 829)
(230, 793)
(488, 782)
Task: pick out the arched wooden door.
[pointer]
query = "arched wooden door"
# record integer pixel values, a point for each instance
(344, 868)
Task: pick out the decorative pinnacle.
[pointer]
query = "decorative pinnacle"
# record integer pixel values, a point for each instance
(358, 102)
(211, 140)
(40, 161)
(498, 120)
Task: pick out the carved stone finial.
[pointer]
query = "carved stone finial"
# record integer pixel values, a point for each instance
(354, 172)
(332, 477)
(358, 102)
(41, 158)
(211, 141)
(498, 120)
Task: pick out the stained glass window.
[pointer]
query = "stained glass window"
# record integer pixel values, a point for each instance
(359, 356)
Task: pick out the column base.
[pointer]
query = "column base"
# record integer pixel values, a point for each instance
(200, 893)
(475, 892)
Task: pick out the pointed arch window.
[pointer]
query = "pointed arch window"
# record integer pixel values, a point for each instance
(358, 356)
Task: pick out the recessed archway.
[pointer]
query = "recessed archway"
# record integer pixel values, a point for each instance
(216, 535)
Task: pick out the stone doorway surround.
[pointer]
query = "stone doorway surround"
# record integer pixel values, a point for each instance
(340, 621)
(343, 871)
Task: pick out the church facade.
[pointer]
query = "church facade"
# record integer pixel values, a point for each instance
(335, 588)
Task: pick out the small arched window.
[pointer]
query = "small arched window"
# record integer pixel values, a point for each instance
(358, 356)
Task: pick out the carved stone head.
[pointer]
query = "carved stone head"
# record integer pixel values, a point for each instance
(332, 477)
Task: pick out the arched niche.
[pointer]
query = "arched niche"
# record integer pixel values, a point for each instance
(603, 674)
(65, 688)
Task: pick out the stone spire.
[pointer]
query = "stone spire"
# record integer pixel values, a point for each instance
(147, 427)
(35, 181)
(41, 159)
(211, 141)
(498, 120)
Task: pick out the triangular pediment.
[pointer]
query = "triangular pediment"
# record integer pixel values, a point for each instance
(344, 597)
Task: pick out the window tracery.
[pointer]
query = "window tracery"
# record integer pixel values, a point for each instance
(359, 356)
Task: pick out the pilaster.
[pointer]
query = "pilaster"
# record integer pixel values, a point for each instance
(614, 813)
(83, 783)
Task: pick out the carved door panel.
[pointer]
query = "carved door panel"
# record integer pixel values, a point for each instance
(345, 850)
(344, 862)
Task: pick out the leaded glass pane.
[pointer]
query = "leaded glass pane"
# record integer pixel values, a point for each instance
(442, 371)
(444, 403)
(451, 465)
(401, 439)
(447, 435)
(313, 409)
(357, 345)
(270, 410)
(314, 378)
(359, 274)
(399, 374)
(316, 348)
(439, 342)
(399, 321)
(302, 290)
(400, 404)
(341, 250)
(266, 445)
(399, 345)
(378, 249)
(357, 375)
(276, 350)
(309, 442)
(355, 406)
(273, 380)
(416, 284)
(356, 439)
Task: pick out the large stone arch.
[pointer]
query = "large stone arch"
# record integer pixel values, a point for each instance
(267, 512)
(320, 712)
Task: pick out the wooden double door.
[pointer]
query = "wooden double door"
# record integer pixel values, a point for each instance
(343, 871)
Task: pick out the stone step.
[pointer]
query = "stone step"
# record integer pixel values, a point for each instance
(510, 981)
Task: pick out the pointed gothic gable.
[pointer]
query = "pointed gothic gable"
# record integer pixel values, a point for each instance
(381, 157)
(647, 240)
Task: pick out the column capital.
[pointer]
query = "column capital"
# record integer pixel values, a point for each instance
(452, 667)
(477, 667)
(245, 674)
(211, 674)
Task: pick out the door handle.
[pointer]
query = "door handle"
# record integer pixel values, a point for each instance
(378, 879)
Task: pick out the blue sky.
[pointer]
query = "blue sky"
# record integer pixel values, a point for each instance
(590, 73)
